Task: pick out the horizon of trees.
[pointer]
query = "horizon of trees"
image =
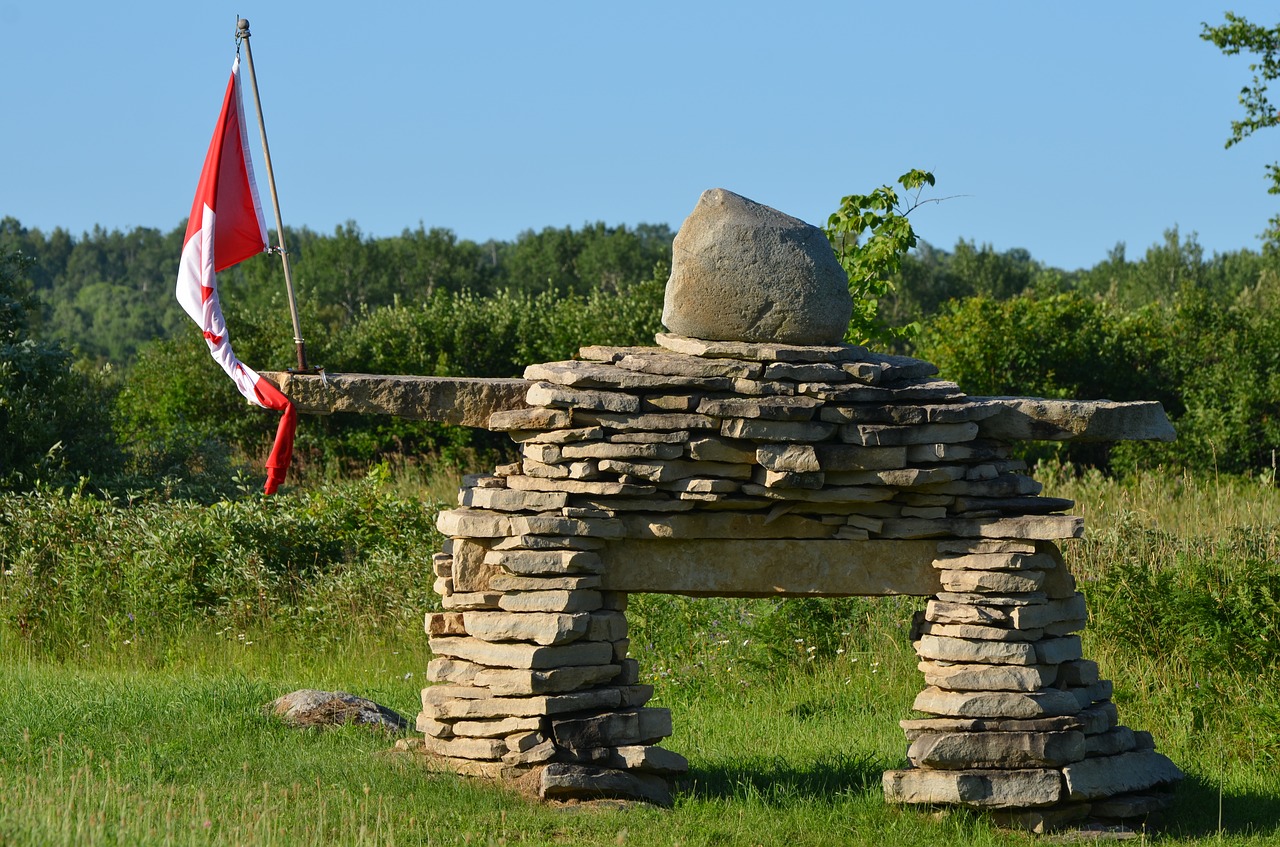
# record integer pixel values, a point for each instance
(107, 293)
(96, 320)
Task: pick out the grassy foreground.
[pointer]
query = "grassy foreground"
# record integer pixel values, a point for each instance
(787, 711)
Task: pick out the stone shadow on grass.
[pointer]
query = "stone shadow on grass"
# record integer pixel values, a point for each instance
(776, 780)
(1195, 811)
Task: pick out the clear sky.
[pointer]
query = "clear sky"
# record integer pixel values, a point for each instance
(1062, 128)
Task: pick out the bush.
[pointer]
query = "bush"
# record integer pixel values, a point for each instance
(54, 422)
(345, 556)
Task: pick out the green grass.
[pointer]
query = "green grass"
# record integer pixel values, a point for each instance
(145, 749)
(787, 711)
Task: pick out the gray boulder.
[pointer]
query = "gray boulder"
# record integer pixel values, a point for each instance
(309, 707)
(741, 271)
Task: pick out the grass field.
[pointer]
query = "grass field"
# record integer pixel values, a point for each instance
(787, 711)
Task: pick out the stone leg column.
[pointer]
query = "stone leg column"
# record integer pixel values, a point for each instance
(1019, 722)
(533, 680)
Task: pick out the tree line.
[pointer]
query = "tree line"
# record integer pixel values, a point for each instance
(108, 292)
(101, 373)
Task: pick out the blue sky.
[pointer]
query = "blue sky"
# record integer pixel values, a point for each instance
(1060, 128)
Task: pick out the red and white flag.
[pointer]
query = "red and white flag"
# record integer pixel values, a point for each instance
(226, 221)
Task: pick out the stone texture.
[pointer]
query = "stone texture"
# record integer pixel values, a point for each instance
(647, 758)
(670, 471)
(1046, 820)
(765, 408)
(503, 582)
(764, 351)
(1131, 806)
(712, 525)
(888, 435)
(979, 632)
(1033, 419)
(1053, 651)
(916, 727)
(551, 601)
(522, 655)
(310, 707)
(613, 729)
(770, 567)
(741, 271)
(472, 523)
(965, 677)
(983, 789)
(1003, 582)
(944, 649)
(593, 375)
(441, 704)
(545, 562)
(543, 629)
(548, 394)
(445, 623)
(997, 561)
(1004, 750)
(1118, 739)
(1047, 527)
(562, 780)
(463, 401)
(1105, 776)
(755, 429)
(721, 450)
(1053, 611)
(498, 728)
(649, 360)
(514, 682)
(996, 704)
(507, 500)
(466, 748)
(574, 486)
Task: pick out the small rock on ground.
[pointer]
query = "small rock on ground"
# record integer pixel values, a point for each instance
(310, 707)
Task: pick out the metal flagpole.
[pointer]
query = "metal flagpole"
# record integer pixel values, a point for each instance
(242, 34)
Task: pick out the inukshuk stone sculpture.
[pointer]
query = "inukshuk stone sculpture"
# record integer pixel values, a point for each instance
(734, 464)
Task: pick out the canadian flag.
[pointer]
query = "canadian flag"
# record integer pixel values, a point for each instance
(226, 221)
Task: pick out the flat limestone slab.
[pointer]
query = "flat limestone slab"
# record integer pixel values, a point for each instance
(1106, 776)
(1035, 419)
(770, 567)
(991, 789)
(463, 401)
(468, 401)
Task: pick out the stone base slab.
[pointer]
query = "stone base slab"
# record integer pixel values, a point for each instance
(1008, 789)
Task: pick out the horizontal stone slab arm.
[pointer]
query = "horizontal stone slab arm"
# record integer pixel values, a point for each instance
(771, 567)
(462, 401)
(1036, 419)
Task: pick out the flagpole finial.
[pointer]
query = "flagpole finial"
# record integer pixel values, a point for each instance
(242, 28)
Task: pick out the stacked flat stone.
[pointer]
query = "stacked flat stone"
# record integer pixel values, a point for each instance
(700, 439)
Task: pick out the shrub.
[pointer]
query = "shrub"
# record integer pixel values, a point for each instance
(54, 423)
(345, 556)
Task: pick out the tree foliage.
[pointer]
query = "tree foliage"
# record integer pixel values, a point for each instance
(54, 422)
(870, 234)
(1237, 35)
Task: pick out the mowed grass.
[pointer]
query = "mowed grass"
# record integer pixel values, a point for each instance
(787, 712)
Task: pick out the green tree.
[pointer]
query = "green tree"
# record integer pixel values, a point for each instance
(870, 234)
(1237, 35)
(54, 424)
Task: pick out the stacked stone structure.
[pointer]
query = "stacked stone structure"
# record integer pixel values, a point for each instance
(733, 464)
(737, 443)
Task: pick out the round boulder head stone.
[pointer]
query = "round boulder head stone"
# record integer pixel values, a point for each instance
(741, 271)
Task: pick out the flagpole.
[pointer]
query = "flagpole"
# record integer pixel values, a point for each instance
(242, 34)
